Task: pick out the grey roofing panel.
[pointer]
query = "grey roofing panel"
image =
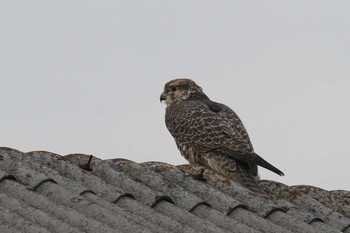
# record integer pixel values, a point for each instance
(337, 200)
(152, 215)
(222, 220)
(257, 222)
(66, 184)
(256, 204)
(35, 216)
(91, 209)
(289, 222)
(94, 182)
(296, 212)
(141, 192)
(5, 175)
(27, 161)
(6, 228)
(306, 203)
(21, 172)
(347, 230)
(187, 218)
(50, 193)
(66, 214)
(71, 171)
(125, 217)
(334, 219)
(324, 228)
(181, 197)
(341, 202)
(293, 209)
(18, 223)
(218, 200)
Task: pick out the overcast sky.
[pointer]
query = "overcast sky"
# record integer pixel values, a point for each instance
(86, 76)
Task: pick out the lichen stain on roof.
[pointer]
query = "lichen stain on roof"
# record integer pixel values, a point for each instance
(45, 192)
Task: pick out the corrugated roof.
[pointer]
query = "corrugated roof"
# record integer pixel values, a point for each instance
(45, 192)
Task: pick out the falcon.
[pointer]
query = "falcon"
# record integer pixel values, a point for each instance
(211, 134)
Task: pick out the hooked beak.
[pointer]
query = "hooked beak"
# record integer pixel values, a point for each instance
(162, 97)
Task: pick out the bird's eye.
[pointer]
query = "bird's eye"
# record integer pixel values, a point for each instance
(173, 89)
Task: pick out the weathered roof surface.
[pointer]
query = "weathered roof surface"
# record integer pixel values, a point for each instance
(45, 192)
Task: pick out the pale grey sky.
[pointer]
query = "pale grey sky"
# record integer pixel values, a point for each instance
(85, 76)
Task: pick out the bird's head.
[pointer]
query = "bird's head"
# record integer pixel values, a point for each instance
(178, 90)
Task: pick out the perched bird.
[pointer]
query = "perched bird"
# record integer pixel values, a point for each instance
(211, 134)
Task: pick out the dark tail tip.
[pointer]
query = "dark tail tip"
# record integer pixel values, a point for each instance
(275, 170)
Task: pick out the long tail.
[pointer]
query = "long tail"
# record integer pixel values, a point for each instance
(245, 178)
(234, 169)
(251, 158)
(262, 162)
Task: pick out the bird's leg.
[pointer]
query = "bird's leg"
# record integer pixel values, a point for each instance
(196, 171)
(200, 175)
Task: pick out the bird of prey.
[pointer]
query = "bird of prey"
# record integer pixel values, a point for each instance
(211, 134)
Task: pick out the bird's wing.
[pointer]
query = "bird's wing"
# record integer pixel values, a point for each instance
(193, 122)
(236, 127)
(235, 123)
